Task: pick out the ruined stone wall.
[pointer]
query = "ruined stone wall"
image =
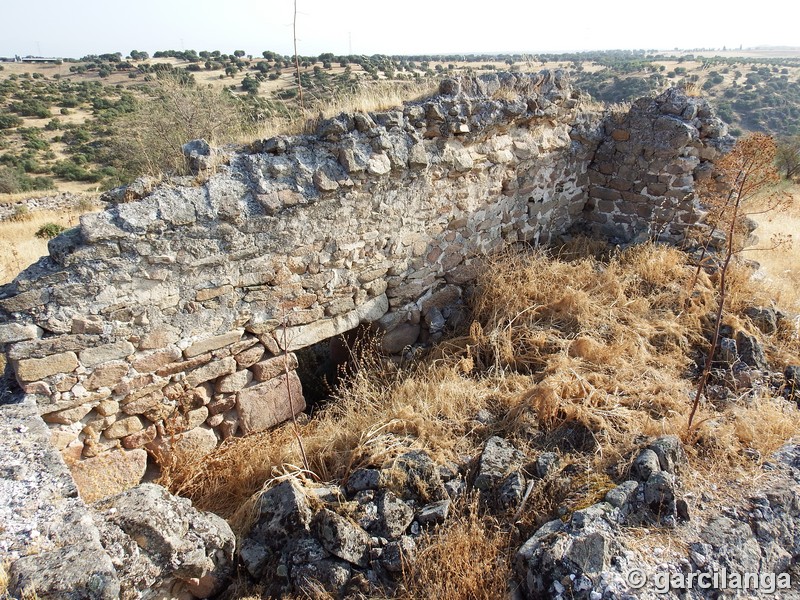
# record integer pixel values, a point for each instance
(644, 172)
(170, 313)
(171, 318)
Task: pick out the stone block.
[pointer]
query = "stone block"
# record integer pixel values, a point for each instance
(307, 335)
(186, 365)
(213, 292)
(106, 375)
(87, 324)
(139, 406)
(213, 343)
(68, 416)
(267, 404)
(398, 338)
(26, 300)
(109, 473)
(105, 353)
(193, 444)
(249, 357)
(152, 361)
(234, 382)
(17, 332)
(212, 370)
(35, 369)
(221, 404)
(124, 427)
(272, 367)
(159, 337)
(195, 418)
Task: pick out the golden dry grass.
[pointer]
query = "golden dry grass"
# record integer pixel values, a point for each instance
(4, 578)
(580, 354)
(466, 558)
(19, 246)
(780, 264)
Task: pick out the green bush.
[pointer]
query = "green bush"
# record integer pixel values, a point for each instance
(9, 121)
(14, 180)
(49, 230)
(31, 108)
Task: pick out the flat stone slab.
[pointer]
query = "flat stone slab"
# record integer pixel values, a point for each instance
(267, 404)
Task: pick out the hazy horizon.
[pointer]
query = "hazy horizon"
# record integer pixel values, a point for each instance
(76, 29)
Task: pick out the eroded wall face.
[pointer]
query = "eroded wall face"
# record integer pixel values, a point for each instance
(170, 312)
(644, 172)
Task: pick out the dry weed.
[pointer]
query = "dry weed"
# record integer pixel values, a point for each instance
(4, 578)
(469, 557)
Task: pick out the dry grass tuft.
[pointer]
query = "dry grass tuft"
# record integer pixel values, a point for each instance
(777, 251)
(466, 558)
(5, 580)
(229, 480)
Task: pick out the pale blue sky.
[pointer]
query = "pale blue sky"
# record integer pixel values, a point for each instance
(78, 27)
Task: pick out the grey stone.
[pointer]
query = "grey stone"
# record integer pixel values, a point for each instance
(645, 465)
(71, 573)
(363, 479)
(659, 493)
(17, 332)
(157, 539)
(546, 463)
(414, 476)
(511, 490)
(623, 495)
(435, 513)
(792, 376)
(670, 452)
(766, 319)
(728, 351)
(283, 512)
(198, 154)
(499, 457)
(398, 553)
(394, 341)
(394, 516)
(751, 352)
(341, 537)
(329, 574)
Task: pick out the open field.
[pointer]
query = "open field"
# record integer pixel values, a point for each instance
(781, 264)
(19, 246)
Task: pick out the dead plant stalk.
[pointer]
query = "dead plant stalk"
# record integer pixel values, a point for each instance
(745, 172)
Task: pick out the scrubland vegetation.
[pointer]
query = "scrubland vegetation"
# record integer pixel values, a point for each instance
(70, 124)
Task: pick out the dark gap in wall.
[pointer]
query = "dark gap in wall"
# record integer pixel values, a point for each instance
(323, 367)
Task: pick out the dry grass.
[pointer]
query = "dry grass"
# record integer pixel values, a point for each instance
(4, 578)
(780, 264)
(588, 353)
(466, 558)
(19, 246)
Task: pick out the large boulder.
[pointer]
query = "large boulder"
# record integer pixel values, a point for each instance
(160, 543)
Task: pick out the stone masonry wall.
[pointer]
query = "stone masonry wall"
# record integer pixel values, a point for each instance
(171, 318)
(169, 314)
(643, 174)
